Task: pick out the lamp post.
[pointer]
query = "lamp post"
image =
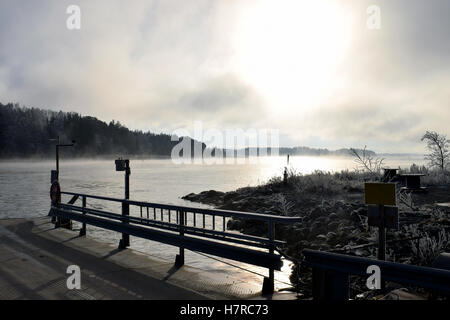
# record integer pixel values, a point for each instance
(55, 179)
(58, 145)
(124, 165)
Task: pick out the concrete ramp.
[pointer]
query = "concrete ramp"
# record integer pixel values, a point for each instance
(34, 258)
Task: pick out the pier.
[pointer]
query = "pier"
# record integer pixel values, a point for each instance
(34, 259)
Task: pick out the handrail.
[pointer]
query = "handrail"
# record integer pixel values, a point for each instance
(341, 264)
(256, 257)
(218, 235)
(246, 248)
(217, 212)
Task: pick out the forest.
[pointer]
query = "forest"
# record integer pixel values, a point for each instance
(28, 132)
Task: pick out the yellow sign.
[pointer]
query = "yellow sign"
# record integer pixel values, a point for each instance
(380, 193)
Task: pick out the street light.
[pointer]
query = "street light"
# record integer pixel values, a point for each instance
(124, 165)
(58, 144)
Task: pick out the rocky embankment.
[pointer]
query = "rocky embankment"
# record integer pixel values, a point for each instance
(335, 221)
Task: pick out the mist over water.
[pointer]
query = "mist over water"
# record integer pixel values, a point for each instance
(25, 190)
(25, 184)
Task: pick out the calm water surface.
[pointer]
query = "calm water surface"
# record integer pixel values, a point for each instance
(24, 190)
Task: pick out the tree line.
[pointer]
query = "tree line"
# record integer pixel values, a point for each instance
(27, 132)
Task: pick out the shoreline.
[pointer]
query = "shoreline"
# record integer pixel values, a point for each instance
(335, 219)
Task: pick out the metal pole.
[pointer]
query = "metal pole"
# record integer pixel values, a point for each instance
(269, 283)
(57, 159)
(83, 229)
(382, 240)
(125, 242)
(127, 180)
(381, 235)
(271, 251)
(183, 217)
(179, 259)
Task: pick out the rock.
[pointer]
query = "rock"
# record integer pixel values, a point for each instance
(333, 225)
(333, 216)
(340, 212)
(331, 235)
(191, 196)
(230, 196)
(316, 212)
(321, 237)
(402, 294)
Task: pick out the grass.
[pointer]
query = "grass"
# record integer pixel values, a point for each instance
(334, 183)
(323, 182)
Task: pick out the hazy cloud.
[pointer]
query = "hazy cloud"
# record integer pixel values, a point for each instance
(161, 65)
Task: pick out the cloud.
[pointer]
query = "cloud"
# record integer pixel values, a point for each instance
(161, 65)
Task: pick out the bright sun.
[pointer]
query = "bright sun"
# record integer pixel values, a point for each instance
(289, 50)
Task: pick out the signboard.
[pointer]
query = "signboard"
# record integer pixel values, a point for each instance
(391, 218)
(380, 193)
(122, 164)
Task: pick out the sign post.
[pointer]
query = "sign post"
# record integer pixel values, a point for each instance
(381, 195)
(381, 234)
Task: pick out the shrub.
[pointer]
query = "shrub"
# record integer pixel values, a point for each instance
(427, 249)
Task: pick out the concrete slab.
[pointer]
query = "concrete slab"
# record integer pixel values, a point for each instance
(34, 258)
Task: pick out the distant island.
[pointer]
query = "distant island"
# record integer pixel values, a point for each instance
(27, 132)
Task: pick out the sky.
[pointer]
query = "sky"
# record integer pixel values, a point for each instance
(313, 70)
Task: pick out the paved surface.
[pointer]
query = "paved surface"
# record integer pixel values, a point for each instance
(34, 258)
(33, 266)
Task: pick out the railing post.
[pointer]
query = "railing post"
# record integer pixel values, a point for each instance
(125, 241)
(382, 240)
(83, 228)
(269, 283)
(179, 259)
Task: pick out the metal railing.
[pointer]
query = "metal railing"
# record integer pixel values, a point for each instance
(331, 274)
(184, 227)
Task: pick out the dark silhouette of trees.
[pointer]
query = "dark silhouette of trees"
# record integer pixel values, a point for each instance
(438, 145)
(25, 132)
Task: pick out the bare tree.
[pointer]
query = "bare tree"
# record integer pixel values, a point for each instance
(366, 160)
(439, 146)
